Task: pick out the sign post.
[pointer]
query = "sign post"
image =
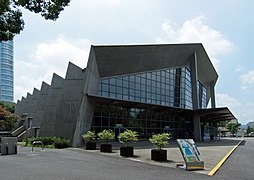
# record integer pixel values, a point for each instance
(191, 154)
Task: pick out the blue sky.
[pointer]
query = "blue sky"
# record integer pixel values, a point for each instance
(225, 27)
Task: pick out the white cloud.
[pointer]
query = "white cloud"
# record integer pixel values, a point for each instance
(195, 31)
(247, 81)
(239, 68)
(224, 100)
(112, 2)
(48, 58)
(243, 110)
(248, 78)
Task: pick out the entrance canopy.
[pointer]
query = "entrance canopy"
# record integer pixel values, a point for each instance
(212, 114)
(216, 114)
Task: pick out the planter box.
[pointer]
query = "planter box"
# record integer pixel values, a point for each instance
(91, 146)
(127, 151)
(106, 148)
(159, 155)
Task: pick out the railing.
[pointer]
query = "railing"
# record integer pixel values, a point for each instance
(37, 143)
(18, 131)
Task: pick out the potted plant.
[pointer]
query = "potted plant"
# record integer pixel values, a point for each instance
(126, 138)
(159, 141)
(89, 136)
(106, 136)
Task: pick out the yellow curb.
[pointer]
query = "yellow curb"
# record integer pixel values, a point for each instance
(215, 169)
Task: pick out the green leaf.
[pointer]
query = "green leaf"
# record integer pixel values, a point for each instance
(160, 140)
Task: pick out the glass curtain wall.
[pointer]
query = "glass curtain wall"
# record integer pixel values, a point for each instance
(144, 121)
(168, 87)
(6, 71)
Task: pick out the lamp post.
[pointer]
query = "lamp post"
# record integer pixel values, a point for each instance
(24, 117)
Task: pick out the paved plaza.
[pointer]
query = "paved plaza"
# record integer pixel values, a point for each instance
(212, 152)
(78, 163)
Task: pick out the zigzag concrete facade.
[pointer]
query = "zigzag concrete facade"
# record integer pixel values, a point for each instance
(54, 108)
(66, 107)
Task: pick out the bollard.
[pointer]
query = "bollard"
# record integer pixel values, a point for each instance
(6, 149)
(16, 149)
(35, 143)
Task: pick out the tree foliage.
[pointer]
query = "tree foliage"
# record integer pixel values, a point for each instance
(233, 127)
(7, 118)
(249, 130)
(222, 123)
(11, 22)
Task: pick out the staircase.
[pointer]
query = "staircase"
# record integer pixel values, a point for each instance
(20, 132)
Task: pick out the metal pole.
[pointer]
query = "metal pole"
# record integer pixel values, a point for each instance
(26, 130)
(24, 116)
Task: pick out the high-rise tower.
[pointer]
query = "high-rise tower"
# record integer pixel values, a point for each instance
(6, 71)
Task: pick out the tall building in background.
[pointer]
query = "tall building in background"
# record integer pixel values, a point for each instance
(6, 71)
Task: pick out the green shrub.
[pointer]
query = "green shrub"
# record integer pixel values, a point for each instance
(160, 140)
(106, 135)
(89, 136)
(127, 137)
(60, 143)
(30, 140)
(46, 140)
(50, 142)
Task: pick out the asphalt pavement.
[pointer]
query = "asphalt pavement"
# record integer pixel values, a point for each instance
(240, 165)
(212, 152)
(77, 163)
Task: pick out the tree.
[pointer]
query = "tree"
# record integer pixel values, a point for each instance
(222, 123)
(233, 127)
(7, 118)
(11, 22)
(249, 130)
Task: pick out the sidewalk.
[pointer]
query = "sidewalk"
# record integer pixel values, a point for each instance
(212, 152)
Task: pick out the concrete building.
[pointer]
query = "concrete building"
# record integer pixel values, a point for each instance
(251, 124)
(147, 88)
(6, 71)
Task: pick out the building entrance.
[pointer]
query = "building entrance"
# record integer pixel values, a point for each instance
(145, 121)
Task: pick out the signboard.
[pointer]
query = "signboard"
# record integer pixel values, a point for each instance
(191, 154)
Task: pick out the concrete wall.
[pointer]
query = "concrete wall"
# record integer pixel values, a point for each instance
(50, 119)
(56, 107)
(72, 92)
(39, 109)
(34, 102)
(86, 109)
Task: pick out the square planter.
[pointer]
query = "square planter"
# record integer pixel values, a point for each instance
(159, 155)
(127, 151)
(106, 148)
(90, 145)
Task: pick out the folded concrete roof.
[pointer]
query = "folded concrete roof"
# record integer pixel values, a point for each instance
(115, 60)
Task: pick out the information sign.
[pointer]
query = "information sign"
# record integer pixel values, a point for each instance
(191, 154)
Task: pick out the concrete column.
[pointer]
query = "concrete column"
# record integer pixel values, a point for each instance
(195, 98)
(194, 81)
(212, 86)
(197, 127)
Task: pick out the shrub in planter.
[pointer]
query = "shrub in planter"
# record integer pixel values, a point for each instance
(90, 140)
(60, 143)
(106, 136)
(159, 141)
(126, 138)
